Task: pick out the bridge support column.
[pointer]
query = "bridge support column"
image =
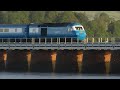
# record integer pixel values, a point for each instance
(53, 58)
(107, 59)
(33, 40)
(28, 59)
(101, 40)
(98, 39)
(86, 40)
(79, 60)
(112, 39)
(5, 58)
(107, 40)
(92, 40)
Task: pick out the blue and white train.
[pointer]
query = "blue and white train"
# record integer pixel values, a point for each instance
(45, 30)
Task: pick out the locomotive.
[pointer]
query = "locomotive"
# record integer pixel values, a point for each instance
(45, 30)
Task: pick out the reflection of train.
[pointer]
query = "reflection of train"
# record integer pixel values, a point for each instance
(42, 30)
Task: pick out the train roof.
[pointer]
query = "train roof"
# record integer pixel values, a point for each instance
(58, 24)
(41, 25)
(18, 25)
(55, 24)
(13, 25)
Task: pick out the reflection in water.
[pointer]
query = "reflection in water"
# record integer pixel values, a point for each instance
(115, 62)
(66, 62)
(93, 62)
(8, 75)
(16, 61)
(41, 61)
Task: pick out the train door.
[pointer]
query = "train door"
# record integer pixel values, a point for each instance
(43, 32)
(27, 31)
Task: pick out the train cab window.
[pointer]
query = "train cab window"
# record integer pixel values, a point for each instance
(1, 30)
(79, 28)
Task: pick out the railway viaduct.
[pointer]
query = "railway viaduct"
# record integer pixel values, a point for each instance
(94, 55)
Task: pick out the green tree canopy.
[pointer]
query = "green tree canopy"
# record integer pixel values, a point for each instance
(99, 25)
(3, 17)
(37, 16)
(50, 16)
(82, 18)
(67, 16)
(114, 28)
(18, 17)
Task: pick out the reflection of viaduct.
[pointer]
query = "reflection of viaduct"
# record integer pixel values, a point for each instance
(85, 57)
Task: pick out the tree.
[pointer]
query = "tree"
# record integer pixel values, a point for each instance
(13, 17)
(100, 25)
(23, 16)
(37, 16)
(18, 17)
(104, 17)
(116, 29)
(50, 16)
(82, 18)
(111, 29)
(90, 29)
(67, 16)
(3, 17)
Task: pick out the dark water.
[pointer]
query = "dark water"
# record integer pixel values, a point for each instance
(10, 75)
(66, 67)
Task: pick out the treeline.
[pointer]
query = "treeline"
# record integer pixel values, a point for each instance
(101, 26)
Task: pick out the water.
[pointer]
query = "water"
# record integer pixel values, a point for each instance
(13, 75)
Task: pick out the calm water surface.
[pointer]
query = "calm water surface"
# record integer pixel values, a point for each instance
(12, 75)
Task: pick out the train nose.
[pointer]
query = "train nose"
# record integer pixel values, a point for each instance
(81, 36)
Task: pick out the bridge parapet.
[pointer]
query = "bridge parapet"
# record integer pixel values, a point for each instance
(60, 43)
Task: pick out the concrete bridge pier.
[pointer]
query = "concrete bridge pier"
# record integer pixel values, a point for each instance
(5, 58)
(28, 59)
(107, 59)
(53, 58)
(79, 60)
(93, 40)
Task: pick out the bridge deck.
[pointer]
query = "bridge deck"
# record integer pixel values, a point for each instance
(58, 45)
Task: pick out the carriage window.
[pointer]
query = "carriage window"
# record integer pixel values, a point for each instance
(1, 30)
(15, 29)
(6, 30)
(34, 30)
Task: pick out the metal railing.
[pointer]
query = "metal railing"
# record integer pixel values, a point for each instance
(59, 43)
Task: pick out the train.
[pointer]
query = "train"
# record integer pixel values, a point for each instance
(44, 30)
